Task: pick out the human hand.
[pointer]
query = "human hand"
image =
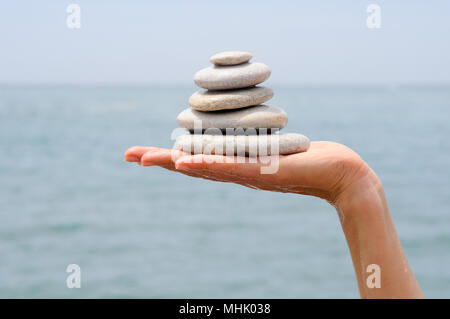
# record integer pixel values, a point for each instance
(326, 170)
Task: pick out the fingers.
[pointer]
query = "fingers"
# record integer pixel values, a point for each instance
(240, 170)
(215, 167)
(149, 156)
(161, 157)
(158, 157)
(237, 166)
(134, 154)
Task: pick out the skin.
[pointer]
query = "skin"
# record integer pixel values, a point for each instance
(327, 170)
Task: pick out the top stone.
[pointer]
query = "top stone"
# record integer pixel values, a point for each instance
(230, 58)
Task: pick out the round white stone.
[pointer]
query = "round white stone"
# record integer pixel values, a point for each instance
(259, 116)
(230, 58)
(204, 100)
(232, 77)
(243, 145)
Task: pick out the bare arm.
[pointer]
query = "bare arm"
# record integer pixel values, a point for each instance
(372, 239)
(330, 171)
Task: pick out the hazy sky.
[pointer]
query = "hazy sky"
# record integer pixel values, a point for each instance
(304, 42)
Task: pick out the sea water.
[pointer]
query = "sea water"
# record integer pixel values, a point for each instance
(68, 197)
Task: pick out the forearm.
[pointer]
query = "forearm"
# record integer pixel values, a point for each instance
(372, 239)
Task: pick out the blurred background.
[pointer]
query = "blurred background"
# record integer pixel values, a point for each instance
(73, 100)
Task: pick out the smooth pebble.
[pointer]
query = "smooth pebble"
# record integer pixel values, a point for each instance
(259, 116)
(204, 100)
(230, 58)
(253, 145)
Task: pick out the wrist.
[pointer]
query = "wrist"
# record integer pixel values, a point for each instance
(364, 195)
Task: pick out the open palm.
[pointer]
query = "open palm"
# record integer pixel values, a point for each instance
(325, 170)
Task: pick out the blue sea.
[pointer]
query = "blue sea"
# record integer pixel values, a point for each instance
(67, 196)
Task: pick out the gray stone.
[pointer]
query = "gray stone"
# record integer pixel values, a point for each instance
(230, 58)
(232, 77)
(251, 146)
(204, 100)
(259, 116)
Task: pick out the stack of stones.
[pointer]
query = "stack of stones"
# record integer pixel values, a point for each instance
(228, 118)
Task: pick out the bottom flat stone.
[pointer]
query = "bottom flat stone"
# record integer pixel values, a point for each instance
(243, 145)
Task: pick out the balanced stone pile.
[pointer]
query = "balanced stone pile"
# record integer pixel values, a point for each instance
(228, 118)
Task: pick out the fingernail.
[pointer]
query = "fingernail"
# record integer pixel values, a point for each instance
(132, 159)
